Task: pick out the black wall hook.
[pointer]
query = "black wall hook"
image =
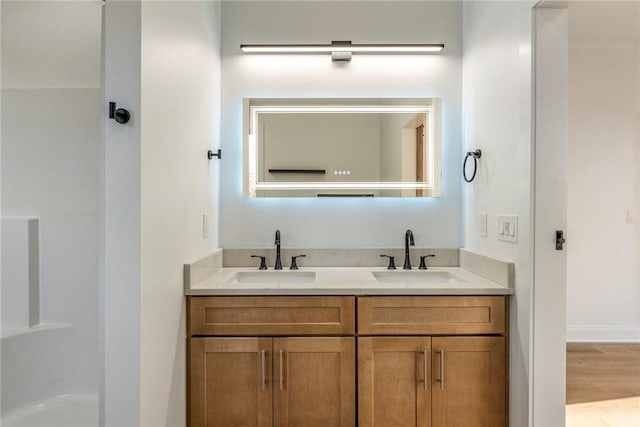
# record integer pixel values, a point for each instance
(211, 154)
(120, 115)
(560, 240)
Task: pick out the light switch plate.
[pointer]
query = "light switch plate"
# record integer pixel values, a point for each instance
(483, 224)
(508, 228)
(205, 226)
(632, 216)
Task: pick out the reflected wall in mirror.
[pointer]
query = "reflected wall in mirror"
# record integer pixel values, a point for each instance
(382, 147)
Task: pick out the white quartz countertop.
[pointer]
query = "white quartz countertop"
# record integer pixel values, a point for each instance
(347, 281)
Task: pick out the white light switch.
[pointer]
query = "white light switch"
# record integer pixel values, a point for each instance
(508, 228)
(483, 224)
(632, 216)
(205, 226)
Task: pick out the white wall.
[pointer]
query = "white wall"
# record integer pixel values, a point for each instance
(603, 171)
(120, 189)
(496, 100)
(158, 183)
(50, 163)
(180, 122)
(245, 222)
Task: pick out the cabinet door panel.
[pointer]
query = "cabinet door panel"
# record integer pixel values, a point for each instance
(314, 382)
(230, 382)
(469, 389)
(431, 315)
(279, 316)
(391, 382)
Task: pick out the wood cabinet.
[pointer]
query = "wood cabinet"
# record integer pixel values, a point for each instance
(451, 315)
(436, 379)
(293, 381)
(230, 382)
(245, 371)
(271, 316)
(424, 381)
(394, 381)
(315, 385)
(421, 361)
(469, 383)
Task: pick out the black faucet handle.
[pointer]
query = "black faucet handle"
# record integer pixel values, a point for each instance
(423, 264)
(294, 265)
(263, 261)
(392, 261)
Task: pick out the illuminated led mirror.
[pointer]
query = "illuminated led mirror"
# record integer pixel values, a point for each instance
(342, 147)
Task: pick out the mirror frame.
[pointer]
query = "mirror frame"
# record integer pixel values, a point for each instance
(252, 107)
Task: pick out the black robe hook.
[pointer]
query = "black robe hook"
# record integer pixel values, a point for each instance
(120, 115)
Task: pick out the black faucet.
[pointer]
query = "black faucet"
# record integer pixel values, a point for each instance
(278, 265)
(408, 241)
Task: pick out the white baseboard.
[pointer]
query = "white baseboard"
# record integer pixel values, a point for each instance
(603, 334)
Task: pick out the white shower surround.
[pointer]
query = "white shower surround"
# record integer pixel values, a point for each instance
(50, 170)
(40, 387)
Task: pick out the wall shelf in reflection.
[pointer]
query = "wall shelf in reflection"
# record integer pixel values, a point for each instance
(309, 171)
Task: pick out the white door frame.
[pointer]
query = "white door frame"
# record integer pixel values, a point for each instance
(549, 324)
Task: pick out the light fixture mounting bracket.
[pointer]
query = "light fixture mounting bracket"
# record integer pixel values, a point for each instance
(341, 55)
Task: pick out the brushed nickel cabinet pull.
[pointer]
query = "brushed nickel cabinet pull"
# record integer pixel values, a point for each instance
(281, 376)
(441, 369)
(263, 355)
(424, 367)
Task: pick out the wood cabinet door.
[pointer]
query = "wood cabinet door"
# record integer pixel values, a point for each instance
(469, 381)
(394, 384)
(272, 316)
(230, 382)
(431, 315)
(314, 382)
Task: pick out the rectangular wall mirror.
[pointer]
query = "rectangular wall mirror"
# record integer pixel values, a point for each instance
(371, 147)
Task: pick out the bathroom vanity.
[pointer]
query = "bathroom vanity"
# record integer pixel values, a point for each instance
(347, 346)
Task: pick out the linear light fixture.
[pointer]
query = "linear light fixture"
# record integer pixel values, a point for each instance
(342, 50)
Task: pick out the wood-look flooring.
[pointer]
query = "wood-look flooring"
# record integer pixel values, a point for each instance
(603, 385)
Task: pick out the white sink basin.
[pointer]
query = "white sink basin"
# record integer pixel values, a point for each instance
(416, 276)
(273, 277)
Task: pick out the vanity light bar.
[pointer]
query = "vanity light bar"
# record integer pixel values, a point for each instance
(341, 50)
